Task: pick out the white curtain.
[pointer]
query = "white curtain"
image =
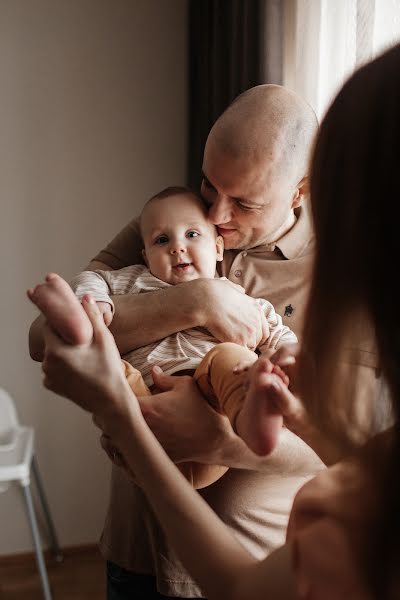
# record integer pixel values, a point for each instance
(325, 40)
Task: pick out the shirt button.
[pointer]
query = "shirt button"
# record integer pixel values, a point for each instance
(244, 253)
(238, 273)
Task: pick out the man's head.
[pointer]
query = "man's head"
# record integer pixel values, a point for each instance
(180, 242)
(256, 164)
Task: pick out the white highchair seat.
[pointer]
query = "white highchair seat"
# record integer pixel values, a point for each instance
(17, 460)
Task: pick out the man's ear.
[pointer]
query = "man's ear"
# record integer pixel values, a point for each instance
(302, 189)
(146, 262)
(219, 242)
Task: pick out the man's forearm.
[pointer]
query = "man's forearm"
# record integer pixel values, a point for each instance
(141, 319)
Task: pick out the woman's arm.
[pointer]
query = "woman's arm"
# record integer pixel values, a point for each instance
(92, 377)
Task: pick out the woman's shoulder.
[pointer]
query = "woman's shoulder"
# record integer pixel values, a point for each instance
(328, 528)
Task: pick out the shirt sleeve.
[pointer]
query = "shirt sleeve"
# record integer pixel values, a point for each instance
(125, 249)
(279, 333)
(103, 284)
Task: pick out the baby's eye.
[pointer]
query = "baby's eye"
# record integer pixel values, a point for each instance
(162, 239)
(192, 234)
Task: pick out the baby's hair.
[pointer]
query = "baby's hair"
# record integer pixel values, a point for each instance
(176, 190)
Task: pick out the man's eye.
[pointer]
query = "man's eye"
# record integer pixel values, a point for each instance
(242, 206)
(162, 239)
(192, 234)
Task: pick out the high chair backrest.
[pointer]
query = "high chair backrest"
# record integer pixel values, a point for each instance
(8, 414)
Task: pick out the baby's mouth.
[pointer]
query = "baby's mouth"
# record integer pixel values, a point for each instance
(182, 266)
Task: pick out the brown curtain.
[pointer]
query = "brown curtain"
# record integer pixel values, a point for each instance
(226, 48)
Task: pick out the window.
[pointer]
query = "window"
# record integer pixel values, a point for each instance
(325, 40)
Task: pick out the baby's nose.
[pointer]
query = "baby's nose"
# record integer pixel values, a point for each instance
(177, 248)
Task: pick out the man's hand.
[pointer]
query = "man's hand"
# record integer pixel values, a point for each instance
(230, 315)
(218, 305)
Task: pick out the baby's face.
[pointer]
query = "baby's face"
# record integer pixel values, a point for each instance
(180, 243)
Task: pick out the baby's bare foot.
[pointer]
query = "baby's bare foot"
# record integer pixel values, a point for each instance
(58, 303)
(259, 423)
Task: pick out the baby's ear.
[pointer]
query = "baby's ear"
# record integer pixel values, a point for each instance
(146, 262)
(220, 247)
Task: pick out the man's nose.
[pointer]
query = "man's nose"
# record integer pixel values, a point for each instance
(220, 210)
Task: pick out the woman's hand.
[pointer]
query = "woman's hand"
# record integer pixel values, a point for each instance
(301, 369)
(286, 358)
(91, 375)
(282, 367)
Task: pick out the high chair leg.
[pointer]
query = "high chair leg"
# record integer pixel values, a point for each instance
(55, 547)
(37, 544)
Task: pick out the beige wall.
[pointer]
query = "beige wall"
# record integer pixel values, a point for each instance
(92, 121)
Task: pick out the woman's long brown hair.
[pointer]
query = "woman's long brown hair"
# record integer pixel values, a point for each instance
(355, 196)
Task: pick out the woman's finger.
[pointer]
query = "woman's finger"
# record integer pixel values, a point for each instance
(285, 355)
(94, 314)
(287, 403)
(281, 373)
(162, 381)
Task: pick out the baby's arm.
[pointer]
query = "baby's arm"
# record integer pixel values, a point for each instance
(102, 285)
(93, 283)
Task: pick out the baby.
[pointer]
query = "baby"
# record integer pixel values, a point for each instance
(180, 244)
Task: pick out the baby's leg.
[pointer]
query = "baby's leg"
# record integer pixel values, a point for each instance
(252, 416)
(224, 389)
(135, 380)
(260, 421)
(63, 311)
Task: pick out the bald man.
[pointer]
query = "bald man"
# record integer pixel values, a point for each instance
(255, 183)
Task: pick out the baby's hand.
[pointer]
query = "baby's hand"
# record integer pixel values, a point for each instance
(106, 311)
